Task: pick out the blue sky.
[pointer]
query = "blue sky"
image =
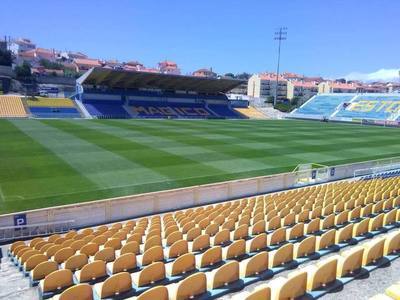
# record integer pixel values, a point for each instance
(328, 38)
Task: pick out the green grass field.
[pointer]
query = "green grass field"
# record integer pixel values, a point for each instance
(53, 162)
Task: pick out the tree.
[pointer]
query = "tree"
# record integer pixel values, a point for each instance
(5, 58)
(269, 99)
(24, 70)
(51, 65)
(243, 76)
(229, 75)
(295, 101)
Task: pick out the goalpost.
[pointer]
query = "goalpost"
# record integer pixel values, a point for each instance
(310, 173)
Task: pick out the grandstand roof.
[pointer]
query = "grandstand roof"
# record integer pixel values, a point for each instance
(132, 80)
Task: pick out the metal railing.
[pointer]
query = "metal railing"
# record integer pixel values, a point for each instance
(10, 233)
(381, 166)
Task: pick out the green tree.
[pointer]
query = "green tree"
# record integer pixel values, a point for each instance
(24, 70)
(51, 65)
(243, 76)
(295, 101)
(5, 58)
(229, 75)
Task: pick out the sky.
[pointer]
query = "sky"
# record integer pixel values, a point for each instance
(331, 38)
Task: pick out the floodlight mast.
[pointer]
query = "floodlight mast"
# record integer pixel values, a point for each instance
(280, 35)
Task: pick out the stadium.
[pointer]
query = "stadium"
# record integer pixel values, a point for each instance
(120, 181)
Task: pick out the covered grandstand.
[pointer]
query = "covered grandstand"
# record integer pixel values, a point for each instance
(105, 93)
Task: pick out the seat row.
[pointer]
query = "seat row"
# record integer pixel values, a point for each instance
(311, 247)
(38, 264)
(316, 279)
(331, 274)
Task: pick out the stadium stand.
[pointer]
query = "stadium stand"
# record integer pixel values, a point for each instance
(213, 250)
(52, 108)
(351, 107)
(12, 107)
(158, 109)
(224, 111)
(124, 94)
(372, 107)
(251, 113)
(106, 109)
(323, 105)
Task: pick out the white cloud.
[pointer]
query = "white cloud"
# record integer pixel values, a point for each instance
(383, 75)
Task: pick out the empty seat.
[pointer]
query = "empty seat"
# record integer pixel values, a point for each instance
(151, 255)
(114, 243)
(376, 223)
(281, 256)
(52, 250)
(43, 269)
(173, 237)
(124, 263)
(24, 257)
(224, 275)
(344, 234)
(390, 217)
(200, 243)
(289, 288)
(276, 237)
(305, 247)
(63, 254)
(234, 250)
(75, 262)
(274, 223)
(106, 254)
(258, 228)
(56, 281)
(157, 292)
(114, 285)
(312, 226)
(150, 274)
(129, 247)
(257, 243)
(254, 265)
(81, 291)
(261, 292)
(181, 265)
(295, 232)
(321, 274)
(350, 261)
(220, 237)
(190, 287)
(392, 243)
(89, 249)
(209, 257)
(241, 232)
(33, 261)
(361, 228)
(151, 242)
(373, 250)
(177, 249)
(91, 271)
(326, 240)
(328, 222)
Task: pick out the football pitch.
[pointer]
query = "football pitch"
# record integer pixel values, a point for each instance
(53, 162)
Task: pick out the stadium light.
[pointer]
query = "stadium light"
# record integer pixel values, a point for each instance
(280, 35)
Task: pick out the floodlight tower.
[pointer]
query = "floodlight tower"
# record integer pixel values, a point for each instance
(280, 35)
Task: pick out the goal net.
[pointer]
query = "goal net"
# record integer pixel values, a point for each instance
(310, 173)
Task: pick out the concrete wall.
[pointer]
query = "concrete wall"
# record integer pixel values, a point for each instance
(115, 209)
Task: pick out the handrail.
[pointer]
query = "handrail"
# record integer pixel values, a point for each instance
(10, 233)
